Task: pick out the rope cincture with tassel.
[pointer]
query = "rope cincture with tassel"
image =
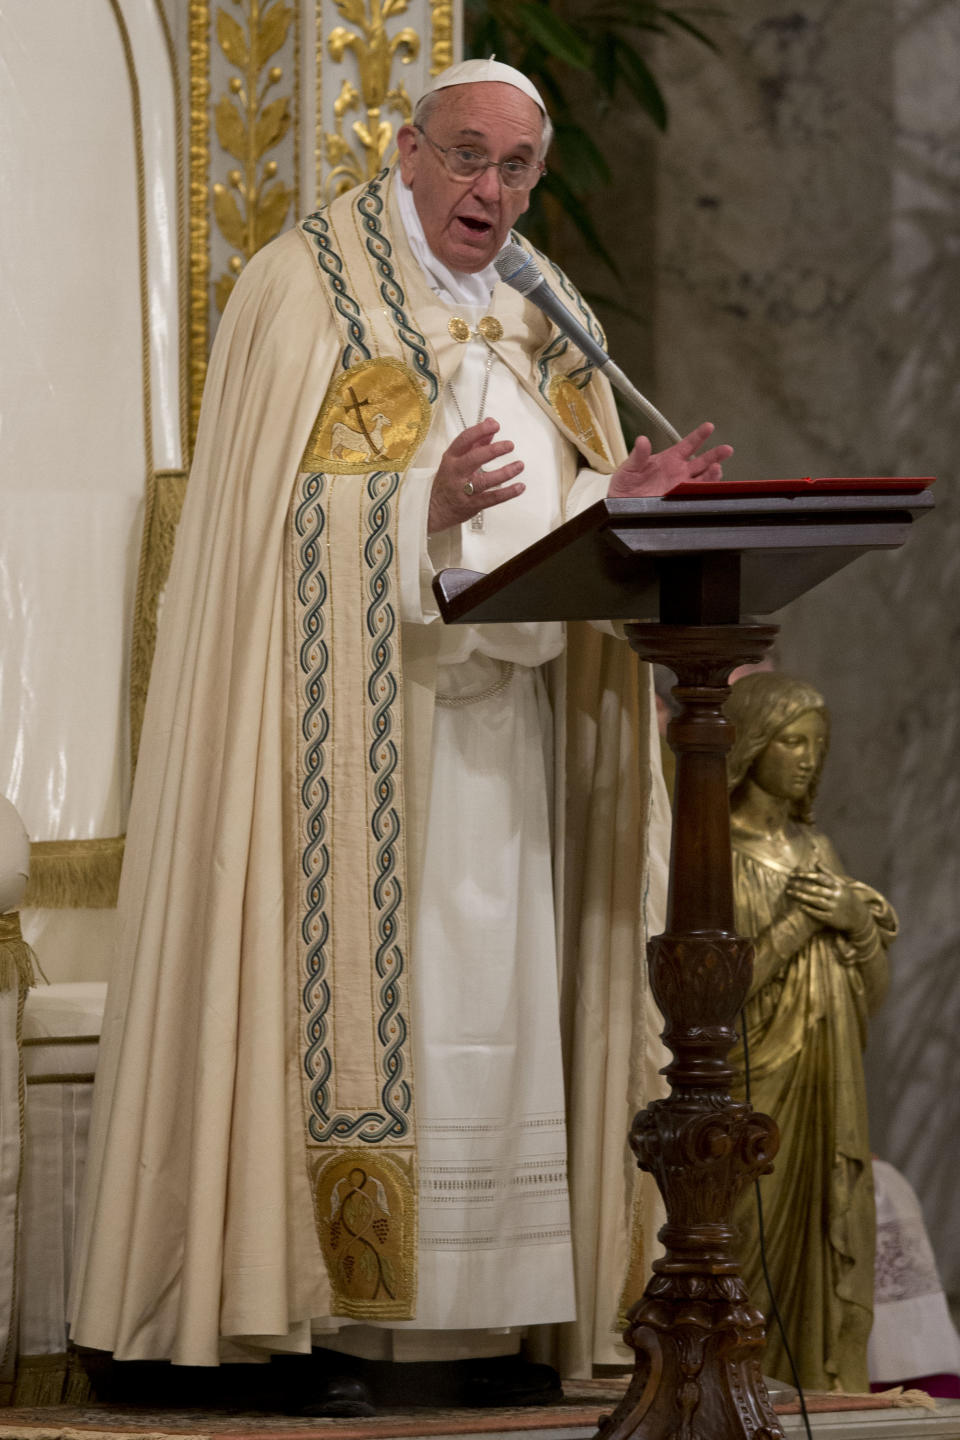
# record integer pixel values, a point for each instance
(901, 1399)
(831, 1401)
(18, 964)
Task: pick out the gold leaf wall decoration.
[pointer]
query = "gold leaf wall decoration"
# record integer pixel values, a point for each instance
(199, 295)
(251, 207)
(441, 41)
(229, 39)
(354, 160)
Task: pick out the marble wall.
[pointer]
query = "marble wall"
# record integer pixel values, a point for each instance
(807, 299)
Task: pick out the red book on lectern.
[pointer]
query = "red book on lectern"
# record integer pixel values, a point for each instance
(843, 484)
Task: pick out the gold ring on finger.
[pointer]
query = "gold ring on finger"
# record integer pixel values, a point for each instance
(469, 488)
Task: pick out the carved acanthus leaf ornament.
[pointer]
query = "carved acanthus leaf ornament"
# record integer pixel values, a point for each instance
(253, 205)
(353, 161)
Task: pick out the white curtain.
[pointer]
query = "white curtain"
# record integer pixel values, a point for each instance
(90, 361)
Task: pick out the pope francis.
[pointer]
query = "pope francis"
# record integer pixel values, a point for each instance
(386, 884)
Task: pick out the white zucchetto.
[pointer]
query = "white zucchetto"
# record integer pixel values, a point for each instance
(479, 72)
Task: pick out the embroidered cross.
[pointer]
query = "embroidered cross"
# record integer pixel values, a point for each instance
(357, 409)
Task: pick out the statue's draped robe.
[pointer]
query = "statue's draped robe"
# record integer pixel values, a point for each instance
(254, 1149)
(806, 1029)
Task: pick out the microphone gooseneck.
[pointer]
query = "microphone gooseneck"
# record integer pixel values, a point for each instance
(520, 271)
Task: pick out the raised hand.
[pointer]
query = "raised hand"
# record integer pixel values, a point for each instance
(646, 473)
(461, 487)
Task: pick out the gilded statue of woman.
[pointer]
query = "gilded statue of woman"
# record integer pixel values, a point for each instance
(820, 969)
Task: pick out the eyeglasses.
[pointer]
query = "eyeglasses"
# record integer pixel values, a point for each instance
(465, 163)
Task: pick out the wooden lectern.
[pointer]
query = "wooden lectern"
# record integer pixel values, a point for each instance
(700, 565)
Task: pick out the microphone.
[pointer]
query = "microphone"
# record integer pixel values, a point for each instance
(519, 269)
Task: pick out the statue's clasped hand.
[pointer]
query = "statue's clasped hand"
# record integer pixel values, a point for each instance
(461, 486)
(829, 898)
(645, 473)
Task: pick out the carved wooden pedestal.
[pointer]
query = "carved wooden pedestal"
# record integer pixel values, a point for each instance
(699, 563)
(698, 1341)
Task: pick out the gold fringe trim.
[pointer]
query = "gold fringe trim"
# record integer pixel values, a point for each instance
(17, 960)
(160, 531)
(635, 1280)
(74, 874)
(50, 1380)
(41, 1380)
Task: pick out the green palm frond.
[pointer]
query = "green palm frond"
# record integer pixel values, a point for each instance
(556, 45)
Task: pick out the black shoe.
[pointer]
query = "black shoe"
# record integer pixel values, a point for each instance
(508, 1381)
(337, 1397)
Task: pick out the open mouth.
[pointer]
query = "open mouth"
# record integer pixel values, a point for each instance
(476, 227)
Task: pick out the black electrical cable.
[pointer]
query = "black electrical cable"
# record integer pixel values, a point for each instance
(763, 1250)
